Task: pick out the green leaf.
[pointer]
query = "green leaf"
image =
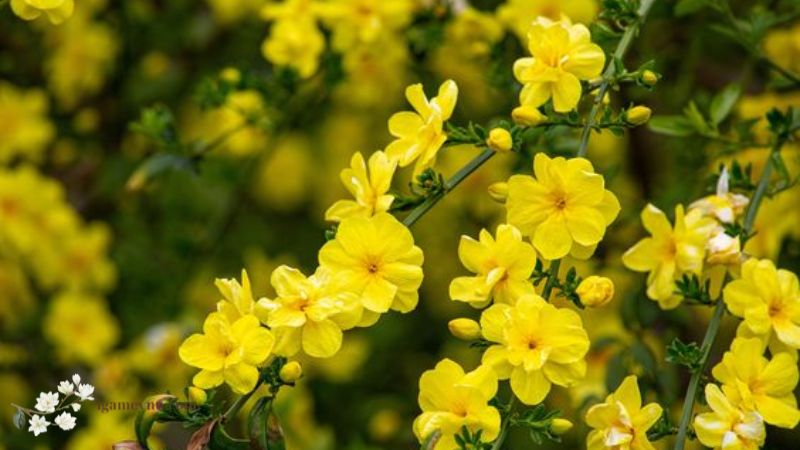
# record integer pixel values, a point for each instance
(672, 126)
(723, 103)
(156, 165)
(221, 440)
(686, 7)
(263, 427)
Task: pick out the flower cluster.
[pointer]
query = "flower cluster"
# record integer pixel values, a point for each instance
(73, 393)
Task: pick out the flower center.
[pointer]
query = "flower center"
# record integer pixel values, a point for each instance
(561, 203)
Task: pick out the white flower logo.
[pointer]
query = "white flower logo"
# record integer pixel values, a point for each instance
(48, 403)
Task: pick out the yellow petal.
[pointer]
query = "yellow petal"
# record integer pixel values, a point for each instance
(242, 377)
(287, 281)
(565, 374)
(552, 239)
(322, 339)
(416, 97)
(585, 61)
(200, 351)
(628, 394)
(642, 256)
(776, 412)
(534, 94)
(586, 225)
(445, 101)
(207, 379)
(482, 378)
(378, 295)
(780, 376)
(530, 387)
(436, 386)
(405, 124)
(494, 321)
(473, 254)
(602, 415)
(566, 92)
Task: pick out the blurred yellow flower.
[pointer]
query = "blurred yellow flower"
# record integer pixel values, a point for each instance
(357, 22)
(621, 421)
(727, 426)
(503, 267)
(24, 126)
(368, 188)
(768, 300)
(57, 11)
(296, 43)
(310, 311)
(754, 383)
(81, 327)
(451, 399)
(536, 345)
(472, 32)
(378, 259)
(562, 55)
(228, 352)
(565, 209)
(420, 134)
(670, 252)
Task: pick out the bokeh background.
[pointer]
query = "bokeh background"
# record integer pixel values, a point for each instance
(107, 259)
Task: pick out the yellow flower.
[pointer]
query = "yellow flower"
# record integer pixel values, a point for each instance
(237, 298)
(228, 352)
(595, 291)
(310, 312)
(537, 345)
(81, 327)
(563, 55)
(728, 424)
(670, 252)
(564, 210)
(419, 134)
(56, 11)
(754, 383)
(768, 299)
(621, 422)
(357, 22)
(24, 125)
(295, 43)
(378, 259)
(503, 267)
(451, 399)
(369, 189)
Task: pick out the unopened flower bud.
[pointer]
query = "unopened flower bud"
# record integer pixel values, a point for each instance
(231, 75)
(649, 78)
(499, 191)
(638, 115)
(595, 291)
(560, 426)
(528, 116)
(500, 140)
(291, 372)
(465, 329)
(197, 395)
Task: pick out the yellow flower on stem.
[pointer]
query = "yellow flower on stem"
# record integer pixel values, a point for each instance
(564, 209)
(536, 345)
(310, 312)
(451, 399)
(420, 134)
(503, 268)
(562, 55)
(296, 43)
(237, 298)
(670, 252)
(57, 11)
(727, 426)
(621, 422)
(754, 383)
(377, 258)
(768, 300)
(228, 352)
(369, 189)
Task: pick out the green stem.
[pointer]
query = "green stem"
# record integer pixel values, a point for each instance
(552, 278)
(719, 310)
(449, 185)
(608, 75)
(239, 403)
(504, 427)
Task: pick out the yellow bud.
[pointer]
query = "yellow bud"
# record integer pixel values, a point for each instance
(649, 78)
(231, 75)
(500, 140)
(528, 116)
(197, 395)
(499, 191)
(465, 329)
(291, 372)
(595, 291)
(560, 426)
(606, 96)
(638, 115)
